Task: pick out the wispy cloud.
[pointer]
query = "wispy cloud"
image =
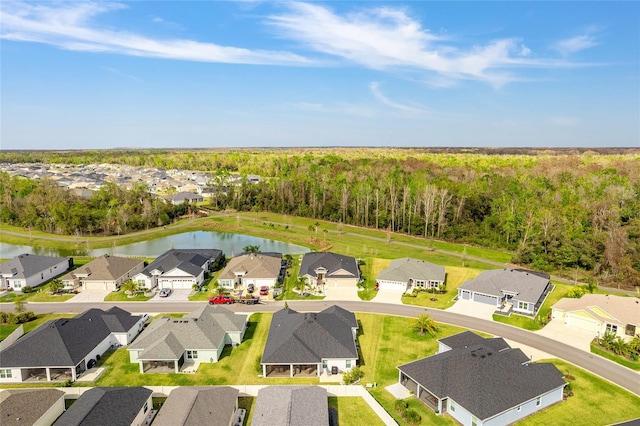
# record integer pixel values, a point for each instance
(166, 23)
(70, 26)
(387, 37)
(577, 43)
(375, 89)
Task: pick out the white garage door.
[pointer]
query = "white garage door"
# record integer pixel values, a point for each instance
(582, 323)
(392, 285)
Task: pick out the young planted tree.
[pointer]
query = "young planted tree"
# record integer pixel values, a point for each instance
(425, 324)
(56, 286)
(129, 287)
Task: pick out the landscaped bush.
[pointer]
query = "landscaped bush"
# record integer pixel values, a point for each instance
(401, 407)
(7, 317)
(23, 317)
(352, 376)
(26, 289)
(576, 292)
(412, 417)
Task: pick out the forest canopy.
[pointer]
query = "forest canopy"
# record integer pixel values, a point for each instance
(554, 209)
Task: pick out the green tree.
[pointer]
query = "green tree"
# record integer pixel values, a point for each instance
(130, 287)
(425, 324)
(251, 249)
(619, 346)
(56, 286)
(19, 306)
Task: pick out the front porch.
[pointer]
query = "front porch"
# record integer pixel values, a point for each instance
(290, 370)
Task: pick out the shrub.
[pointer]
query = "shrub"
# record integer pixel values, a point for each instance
(27, 289)
(412, 417)
(576, 292)
(401, 406)
(7, 317)
(352, 376)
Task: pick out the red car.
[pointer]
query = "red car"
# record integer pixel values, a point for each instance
(264, 290)
(221, 299)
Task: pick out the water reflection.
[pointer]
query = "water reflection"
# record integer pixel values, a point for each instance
(230, 244)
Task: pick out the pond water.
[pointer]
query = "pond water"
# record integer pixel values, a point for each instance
(230, 244)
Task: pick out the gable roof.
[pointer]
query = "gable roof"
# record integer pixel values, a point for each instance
(112, 406)
(253, 265)
(105, 267)
(528, 285)
(66, 341)
(309, 337)
(483, 380)
(468, 338)
(407, 268)
(198, 405)
(19, 407)
(26, 265)
(291, 405)
(180, 197)
(606, 308)
(188, 260)
(167, 338)
(333, 263)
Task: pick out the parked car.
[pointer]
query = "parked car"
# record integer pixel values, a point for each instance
(250, 288)
(264, 290)
(165, 292)
(221, 299)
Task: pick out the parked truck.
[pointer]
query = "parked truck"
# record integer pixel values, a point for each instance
(224, 299)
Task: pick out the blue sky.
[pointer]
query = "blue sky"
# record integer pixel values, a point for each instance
(159, 74)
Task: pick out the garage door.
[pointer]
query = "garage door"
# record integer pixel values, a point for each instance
(482, 298)
(392, 285)
(97, 286)
(465, 295)
(582, 322)
(176, 285)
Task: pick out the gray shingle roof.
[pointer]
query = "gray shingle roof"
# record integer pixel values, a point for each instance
(198, 405)
(468, 338)
(167, 338)
(253, 266)
(483, 380)
(20, 407)
(309, 337)
(331, 262)
(404, 269)
(189, 260)
(115, 406)
(26, 265)
(65, 341)
(291, 406)
(529, 286)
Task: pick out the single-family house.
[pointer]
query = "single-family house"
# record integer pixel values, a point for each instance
(199, 405)
(291, 406)
(34, 407)
(309, 344)
(171, 345)
(103, 273)
(482, 382)
(516, 290)
(406, 274)
(600, 313)
(64, 348)
(325, 269)
(182, 197)
(258, 269)
(179, 269)
(109, 406)
(31, 270)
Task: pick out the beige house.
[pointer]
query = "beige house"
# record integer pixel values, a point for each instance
(36, 407)
(104, 273)
(600, 313)
(259, 269)
(325, 269)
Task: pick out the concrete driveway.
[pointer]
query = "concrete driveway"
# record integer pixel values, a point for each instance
(572, 336)
(179, 295)
(388, 296)
(342, 293)
(473, 309)
(89, 296)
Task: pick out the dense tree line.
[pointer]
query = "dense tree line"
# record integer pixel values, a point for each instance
(554, 210)
(43, 205)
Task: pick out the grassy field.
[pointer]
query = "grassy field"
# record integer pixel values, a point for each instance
(121, 296)
(354, 411)
(456, 275)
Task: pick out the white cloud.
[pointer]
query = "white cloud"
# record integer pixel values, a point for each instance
(69, 26)
(375, 89)
(385, 37)
(574, 44)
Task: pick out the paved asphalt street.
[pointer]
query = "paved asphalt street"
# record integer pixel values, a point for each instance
(611, 371)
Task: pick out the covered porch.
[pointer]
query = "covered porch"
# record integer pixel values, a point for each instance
(290, 370)
(49, 374)
(158, 366)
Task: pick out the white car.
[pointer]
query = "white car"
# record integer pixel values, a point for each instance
(165, 292)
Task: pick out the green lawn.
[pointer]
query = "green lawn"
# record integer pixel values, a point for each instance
(40, 294)
(121, 296)
(596, 349)
(6, 329)
(354, 411)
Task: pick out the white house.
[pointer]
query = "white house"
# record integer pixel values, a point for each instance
(322, 269)
(31, 270)
(179, 269)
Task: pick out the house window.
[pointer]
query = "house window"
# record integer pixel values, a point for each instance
(523, 306)
(612, 328)
(538, 401)
(474, 421)
(146, 406)
(192, 354)
(452, 406)
(347, 363)
(324, 363)
(5, 374)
